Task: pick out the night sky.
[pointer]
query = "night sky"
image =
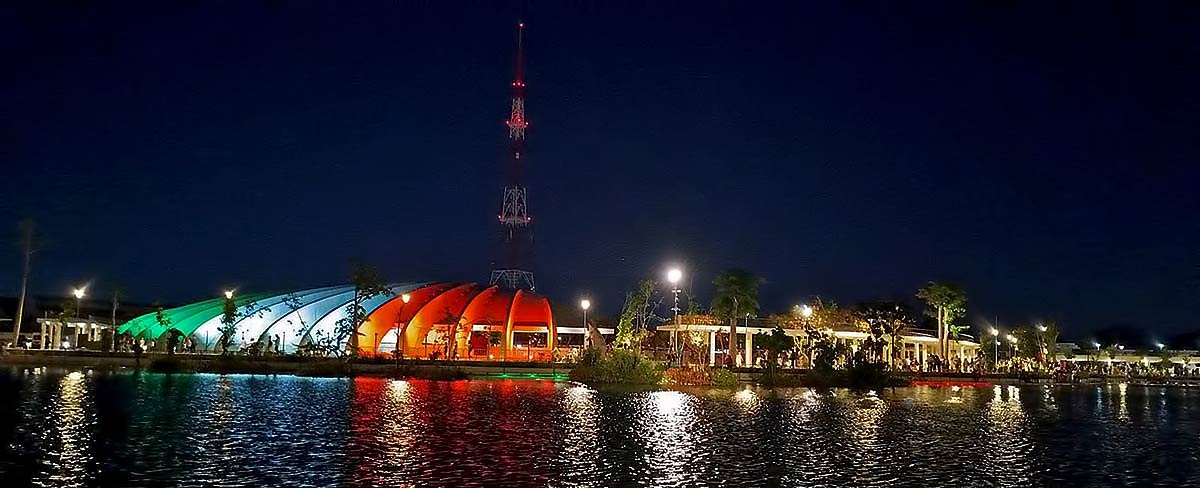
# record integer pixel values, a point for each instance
(1041, 154)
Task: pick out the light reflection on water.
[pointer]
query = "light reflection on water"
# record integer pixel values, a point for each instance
(93, 429)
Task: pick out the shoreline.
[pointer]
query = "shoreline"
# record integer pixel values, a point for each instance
(462, 369)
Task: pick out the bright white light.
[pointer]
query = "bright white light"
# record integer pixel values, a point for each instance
(405, 298)
(806, 311)
(80, 292)
(1096, 345)
(994, 331)
(1041, 328)
(1012, 338)
(229, 294)
(1160, 345)
(674, 275)
(585, 304)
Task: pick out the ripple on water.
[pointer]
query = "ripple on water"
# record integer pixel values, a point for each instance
(83, 429)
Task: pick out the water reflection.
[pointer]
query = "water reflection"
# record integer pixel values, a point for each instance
(73, 425)
(203, 430)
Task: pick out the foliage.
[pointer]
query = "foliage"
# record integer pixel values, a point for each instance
(229, 316)
(723, 378)
(688, 376)
(616, 366)
(367, 285)
(946, 303)
(885, 320)
(825, 351)
(1051, 337)
(736, 294)
(775, 343)
(639, 311)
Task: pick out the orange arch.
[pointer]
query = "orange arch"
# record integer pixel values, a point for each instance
(395, 313)
(531, 313)
(448, 305)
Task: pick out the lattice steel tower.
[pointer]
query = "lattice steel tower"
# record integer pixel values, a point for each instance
(510, 271)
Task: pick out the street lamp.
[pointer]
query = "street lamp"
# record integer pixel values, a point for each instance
(996, 349)
(229, 294)
(399, 350)
(673, 276)
(1160, 346)
(585, 304)
(806, 311)
(79, 294)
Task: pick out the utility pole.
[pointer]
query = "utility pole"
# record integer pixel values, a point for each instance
(26, 230)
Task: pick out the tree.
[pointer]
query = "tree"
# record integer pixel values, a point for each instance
(26, 229)
(229, 317)
(890, 320)
(1050, 338)
(639, 310)
(775, 343)
(945, 303)
(736, 293)
(164, 322)
(117, 294)
(367, 285)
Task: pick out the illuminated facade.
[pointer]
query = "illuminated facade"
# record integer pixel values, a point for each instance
(487, 322)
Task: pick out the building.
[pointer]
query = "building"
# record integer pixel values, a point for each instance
(467, 320)
(918, 345)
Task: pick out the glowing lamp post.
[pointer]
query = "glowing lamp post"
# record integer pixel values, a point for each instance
(996, 347)
(673, 276)
(585, 304)
(399, 351)
(79, 294)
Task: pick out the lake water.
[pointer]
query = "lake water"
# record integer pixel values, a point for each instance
(63, 428)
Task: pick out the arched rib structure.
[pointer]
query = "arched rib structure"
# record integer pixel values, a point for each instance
(465, 319)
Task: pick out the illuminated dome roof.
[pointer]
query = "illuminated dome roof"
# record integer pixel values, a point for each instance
(301, 317)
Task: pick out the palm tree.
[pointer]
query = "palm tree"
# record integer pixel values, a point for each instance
(945, 303)
(736, 292)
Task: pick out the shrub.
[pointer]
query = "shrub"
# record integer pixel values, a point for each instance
(723, 378)
(701, 376)
(687, 376)
(618, 366)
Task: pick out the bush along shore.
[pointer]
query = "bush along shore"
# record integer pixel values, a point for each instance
(595, 367)
(618, 366)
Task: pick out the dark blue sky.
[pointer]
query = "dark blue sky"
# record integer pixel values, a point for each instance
(1043, 155)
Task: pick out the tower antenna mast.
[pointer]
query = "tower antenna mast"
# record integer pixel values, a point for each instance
(511, 271)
